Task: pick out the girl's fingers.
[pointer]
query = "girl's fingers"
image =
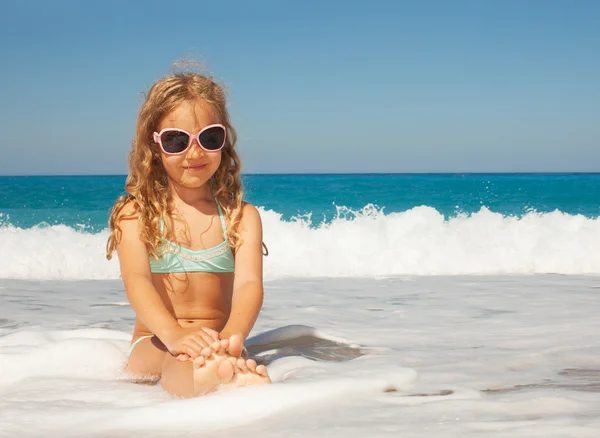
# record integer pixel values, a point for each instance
(205, 337)
(197, 342)
(193, 345)
(212, 333)
(190, 351)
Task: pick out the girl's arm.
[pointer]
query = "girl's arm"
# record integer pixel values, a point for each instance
(144, 299)
(248, 280)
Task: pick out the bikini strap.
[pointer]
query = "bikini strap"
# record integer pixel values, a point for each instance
(222, 219)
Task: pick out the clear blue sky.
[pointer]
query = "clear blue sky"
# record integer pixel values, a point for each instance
(314, 86)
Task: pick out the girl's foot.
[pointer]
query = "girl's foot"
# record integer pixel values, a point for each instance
(212, 368)
(220, 366)
(246, 373)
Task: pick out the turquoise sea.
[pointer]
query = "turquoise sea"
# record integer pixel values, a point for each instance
(55, 227)
(84, 201)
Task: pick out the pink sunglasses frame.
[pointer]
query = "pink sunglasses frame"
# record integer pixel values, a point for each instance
(156, 137)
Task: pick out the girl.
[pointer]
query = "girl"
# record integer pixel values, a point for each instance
(180, 233)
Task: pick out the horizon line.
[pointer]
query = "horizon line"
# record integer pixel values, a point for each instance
(82, 175)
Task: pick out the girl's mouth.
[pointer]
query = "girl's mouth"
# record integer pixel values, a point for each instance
(195, 167)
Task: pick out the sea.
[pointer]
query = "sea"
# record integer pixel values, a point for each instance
(396, 305)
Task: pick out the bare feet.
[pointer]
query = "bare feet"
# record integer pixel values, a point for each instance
(211, 369)
(247, 373)
(219, 367)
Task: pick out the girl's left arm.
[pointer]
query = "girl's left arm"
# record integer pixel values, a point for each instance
(248, 279)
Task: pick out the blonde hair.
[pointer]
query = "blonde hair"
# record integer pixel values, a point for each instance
(146, 184)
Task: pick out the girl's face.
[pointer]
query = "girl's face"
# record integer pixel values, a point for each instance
(193, 168)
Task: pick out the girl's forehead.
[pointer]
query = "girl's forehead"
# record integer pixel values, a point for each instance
(190, 114)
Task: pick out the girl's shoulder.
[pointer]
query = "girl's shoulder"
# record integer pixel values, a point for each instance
(128, 210)
(250, 211)
(250, 219)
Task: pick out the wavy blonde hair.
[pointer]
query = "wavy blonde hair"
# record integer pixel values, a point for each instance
(147, 184)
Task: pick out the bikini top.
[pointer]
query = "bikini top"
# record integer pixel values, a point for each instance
(176, 259)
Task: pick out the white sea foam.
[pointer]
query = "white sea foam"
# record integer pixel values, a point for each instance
(467, 356)
(366, 243)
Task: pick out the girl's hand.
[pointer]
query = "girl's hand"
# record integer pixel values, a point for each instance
(234, 345)
(190, 345)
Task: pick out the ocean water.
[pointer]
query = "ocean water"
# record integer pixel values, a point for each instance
(335, 225)
(395, 305)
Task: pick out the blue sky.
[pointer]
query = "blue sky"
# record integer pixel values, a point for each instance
(314, 86)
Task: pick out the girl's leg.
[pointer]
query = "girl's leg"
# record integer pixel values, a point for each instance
(146, 358)
(177, 376)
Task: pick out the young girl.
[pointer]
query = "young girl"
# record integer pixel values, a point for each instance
(180, 233)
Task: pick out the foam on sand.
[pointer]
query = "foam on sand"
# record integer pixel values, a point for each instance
(440, 356)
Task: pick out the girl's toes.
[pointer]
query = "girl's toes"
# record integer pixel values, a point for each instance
(251, 364)
(241, 364)
(262, 370)
(224, 345)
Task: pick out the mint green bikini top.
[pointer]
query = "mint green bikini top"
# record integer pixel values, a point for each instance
(174, 258)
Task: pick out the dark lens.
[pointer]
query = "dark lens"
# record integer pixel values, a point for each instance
(174, 141)
(213, 138)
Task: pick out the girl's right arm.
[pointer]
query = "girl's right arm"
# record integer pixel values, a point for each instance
(144, 299)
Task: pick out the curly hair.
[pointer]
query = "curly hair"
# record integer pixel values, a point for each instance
(147, 186)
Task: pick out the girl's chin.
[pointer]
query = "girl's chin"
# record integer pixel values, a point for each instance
(191, 181)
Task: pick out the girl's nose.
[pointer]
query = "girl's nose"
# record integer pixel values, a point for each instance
(195, 149)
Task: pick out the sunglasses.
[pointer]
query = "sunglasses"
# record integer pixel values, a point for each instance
(176, 141)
